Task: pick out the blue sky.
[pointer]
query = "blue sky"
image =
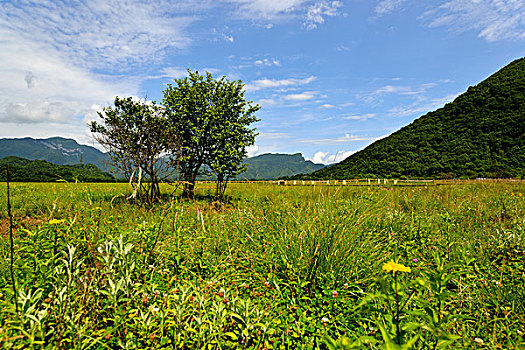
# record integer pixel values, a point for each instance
(331, 76)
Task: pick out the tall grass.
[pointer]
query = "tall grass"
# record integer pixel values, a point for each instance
(297, 267)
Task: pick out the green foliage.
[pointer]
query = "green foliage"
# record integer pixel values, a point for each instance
(24, 170)
(480, 134)
(284, 267)
(137, 138)
(211, 119)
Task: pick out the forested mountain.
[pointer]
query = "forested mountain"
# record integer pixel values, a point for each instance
(274, 166)
(480, 134)
(42, 171)
(57, 150)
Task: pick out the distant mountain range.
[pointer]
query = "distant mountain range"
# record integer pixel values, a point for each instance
(275, 166)
(57, 150)
(480, 134)
(63, 151)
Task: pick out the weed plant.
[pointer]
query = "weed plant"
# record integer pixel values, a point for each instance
(274, 268)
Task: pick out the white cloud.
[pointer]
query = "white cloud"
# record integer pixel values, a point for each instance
(173, 72)
(252, 150)
(317, 12)
(272, 83)
(334, 141)
(228, 38)
(37, 85)
(51, 49)
(493, 19)
(327, 105)
(327, 158)
(266, 102)
(267, 9)
(307, 95)
(375, 96)
(388, 6)
(272, 135)
(422, 106)
(267, 62)
(99, 33)
(360, 117)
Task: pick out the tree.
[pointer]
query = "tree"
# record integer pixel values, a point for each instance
(211, 120)
(136, 135)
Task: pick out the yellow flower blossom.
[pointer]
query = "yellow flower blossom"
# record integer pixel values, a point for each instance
(55, 221)
(394, 267)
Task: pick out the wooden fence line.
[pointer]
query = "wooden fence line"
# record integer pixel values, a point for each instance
(365, 182)
(351, 182)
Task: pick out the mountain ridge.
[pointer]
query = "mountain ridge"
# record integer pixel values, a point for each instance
(480, 134)
(65, 151)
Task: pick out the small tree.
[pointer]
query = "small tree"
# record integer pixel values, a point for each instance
(136, 135)
(211, 120)
(232, 134)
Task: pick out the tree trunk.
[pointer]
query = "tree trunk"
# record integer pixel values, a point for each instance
(189, 189)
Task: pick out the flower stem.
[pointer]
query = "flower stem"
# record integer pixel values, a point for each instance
(396, 320)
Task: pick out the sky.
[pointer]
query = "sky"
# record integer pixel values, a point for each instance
(331, 77)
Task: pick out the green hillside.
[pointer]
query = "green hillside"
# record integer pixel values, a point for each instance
(480, 134)
(57, 150)
(274, 166)
(25, 170)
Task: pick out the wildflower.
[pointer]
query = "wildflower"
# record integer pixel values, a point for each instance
(394, 267)
(107, 336)
(334, 294)
(55, 221)
(153, 309)
(345, 285)
(325, 320)
(414, 260)
(479, 340)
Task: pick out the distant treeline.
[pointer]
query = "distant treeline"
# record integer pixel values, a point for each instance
(25, 170)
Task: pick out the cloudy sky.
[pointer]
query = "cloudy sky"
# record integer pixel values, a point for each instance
(331, 76)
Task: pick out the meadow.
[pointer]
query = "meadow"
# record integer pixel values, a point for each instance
(276, 267)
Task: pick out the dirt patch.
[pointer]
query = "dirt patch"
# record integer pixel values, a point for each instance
(26, 222)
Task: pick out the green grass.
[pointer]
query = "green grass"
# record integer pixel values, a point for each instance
(261, 271)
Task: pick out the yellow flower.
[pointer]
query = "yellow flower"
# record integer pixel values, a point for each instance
(55, 221)
(394, 267)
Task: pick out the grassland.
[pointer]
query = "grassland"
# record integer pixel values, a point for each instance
(276, 267)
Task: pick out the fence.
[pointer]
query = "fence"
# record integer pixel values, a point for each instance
(352, 182)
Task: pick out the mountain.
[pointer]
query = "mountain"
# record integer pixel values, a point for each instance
(271, 166)
(480, 134)
(42, 171)
(64, 151)
(57, 150)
